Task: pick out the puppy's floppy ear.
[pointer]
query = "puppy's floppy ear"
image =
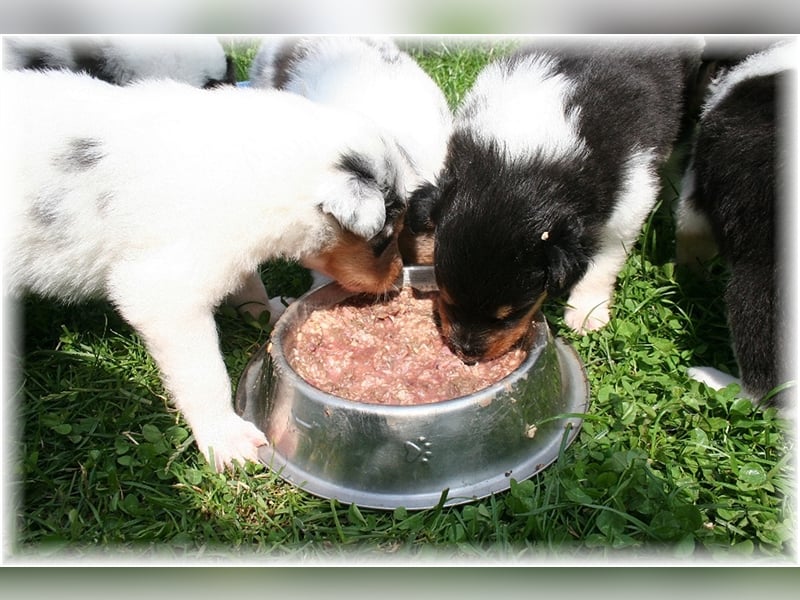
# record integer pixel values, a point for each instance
(422, 209)
(425, 205)
(354, 198)
(567, 256)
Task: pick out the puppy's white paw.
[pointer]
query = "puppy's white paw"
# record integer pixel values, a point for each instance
(716, 380)
(587, 316)
(231, 439)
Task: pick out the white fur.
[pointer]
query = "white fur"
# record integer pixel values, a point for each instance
(190, 191)
(713, 378)
(527, 113)
(354, 73)
(190, 59)
(588, 304)
(775, 59)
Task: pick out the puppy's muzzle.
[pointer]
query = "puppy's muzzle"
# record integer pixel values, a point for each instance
(476, 344)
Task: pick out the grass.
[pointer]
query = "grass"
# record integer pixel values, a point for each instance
(662, 468)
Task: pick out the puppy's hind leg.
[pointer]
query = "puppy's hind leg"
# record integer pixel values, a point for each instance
(589, 302)
(179, 331)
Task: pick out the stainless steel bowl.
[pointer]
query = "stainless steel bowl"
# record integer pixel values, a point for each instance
(382, 456)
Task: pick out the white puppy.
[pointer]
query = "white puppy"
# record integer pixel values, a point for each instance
(372, 77)
(164, 198)
(197, 60)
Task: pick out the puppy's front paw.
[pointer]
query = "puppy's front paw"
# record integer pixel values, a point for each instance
(588, 315)
(229, 439)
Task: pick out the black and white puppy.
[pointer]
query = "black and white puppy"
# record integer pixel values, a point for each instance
(374, 77)
(731, 202)
(197, 60)
(164, 198)
(550, 173)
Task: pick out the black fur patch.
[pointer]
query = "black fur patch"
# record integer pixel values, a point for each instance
(81, 154)
(359, 166)
(90, 58)
(290, 53)
(419, 217)
(39, 60)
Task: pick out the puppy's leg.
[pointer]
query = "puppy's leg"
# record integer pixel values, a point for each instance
(251, 299)
(589, 301)
(180, 333)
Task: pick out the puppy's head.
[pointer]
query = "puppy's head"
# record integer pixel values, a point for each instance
(364, 200)
(505, 238)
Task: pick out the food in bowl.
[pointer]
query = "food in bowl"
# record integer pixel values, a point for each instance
(388, 352)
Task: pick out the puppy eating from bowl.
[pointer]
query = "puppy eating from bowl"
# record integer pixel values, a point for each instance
(550, 174)
(164, 198)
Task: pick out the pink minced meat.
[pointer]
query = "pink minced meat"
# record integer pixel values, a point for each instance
(388, 352)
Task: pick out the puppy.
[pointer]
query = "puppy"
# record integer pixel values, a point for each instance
(550, 173)
(164, 198)
(730, 202)
(373, 77)
(197, 60)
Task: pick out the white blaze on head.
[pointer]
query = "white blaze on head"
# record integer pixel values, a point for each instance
(524, 109)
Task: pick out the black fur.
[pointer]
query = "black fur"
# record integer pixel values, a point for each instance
(290, 53)
(735, 165)
(421, 204)
(81, 155)
(507, 230)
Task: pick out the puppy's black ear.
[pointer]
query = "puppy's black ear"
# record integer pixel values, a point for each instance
(567, 257)
(353, 197)
(421, 209)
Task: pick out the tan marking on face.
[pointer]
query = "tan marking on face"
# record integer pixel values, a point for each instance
(499, 341)
(503, 311)
(351, 261)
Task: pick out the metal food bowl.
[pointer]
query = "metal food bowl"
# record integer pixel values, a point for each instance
(417, 456)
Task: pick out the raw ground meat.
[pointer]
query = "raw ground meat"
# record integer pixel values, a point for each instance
(388, 352)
